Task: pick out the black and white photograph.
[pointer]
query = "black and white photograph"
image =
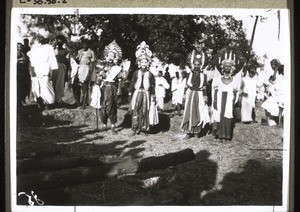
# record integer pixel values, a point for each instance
(182, 109)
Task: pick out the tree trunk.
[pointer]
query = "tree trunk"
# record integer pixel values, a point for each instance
(165, 161)
(253, 31)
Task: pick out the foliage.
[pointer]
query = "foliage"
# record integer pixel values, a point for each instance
(170, 37)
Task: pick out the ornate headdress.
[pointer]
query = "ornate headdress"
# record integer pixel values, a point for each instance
(143, 52)
(228, 54)
(196, 56)
(114, 48)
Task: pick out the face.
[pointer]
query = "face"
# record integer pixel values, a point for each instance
(144, 63)
(85, 46)
(227, 67)
(197, 65)
(252, 72)
(110, 55)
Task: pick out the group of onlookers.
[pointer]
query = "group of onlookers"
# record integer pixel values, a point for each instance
(207, 96)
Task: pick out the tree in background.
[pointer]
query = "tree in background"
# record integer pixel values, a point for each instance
(170, 37)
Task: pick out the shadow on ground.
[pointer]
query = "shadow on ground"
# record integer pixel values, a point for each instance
(258, 184)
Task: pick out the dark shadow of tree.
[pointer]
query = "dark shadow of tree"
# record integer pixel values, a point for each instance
(31, 116)
(258, 184)
(201, 174)
(109, 151)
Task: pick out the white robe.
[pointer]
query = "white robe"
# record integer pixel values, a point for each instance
(248, 103)
(74, 69)
(95, 97)
(178, 88)
(276, 99)
(230, 88)
(161, 85)
(42, 58)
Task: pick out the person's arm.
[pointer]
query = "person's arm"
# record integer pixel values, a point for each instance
(215, 99)
(235, 92)
(92, 59)
(52, 59)
(242, 88)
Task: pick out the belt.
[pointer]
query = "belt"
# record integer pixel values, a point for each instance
(110, 83)
(196, 89)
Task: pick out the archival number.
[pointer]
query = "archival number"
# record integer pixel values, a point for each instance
(44, 1)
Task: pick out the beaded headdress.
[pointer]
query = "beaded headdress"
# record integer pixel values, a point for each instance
(143, 52)
(114, 48)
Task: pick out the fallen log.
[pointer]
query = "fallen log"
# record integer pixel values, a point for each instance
(110, 168)
(165, 161)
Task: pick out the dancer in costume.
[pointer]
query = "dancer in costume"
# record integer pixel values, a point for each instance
(142, 91)
(195, 114)
(225, 91)
(111, 86)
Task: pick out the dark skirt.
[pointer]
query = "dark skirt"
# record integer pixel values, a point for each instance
(109, 104)
(225, 126)
(140, 113)
(192, 114)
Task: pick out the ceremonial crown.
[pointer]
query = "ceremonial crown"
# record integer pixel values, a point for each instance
(143, 52)
(114, 48)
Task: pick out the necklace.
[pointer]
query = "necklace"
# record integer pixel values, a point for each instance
(227, 77)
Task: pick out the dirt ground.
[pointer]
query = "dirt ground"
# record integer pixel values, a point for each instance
(244, 171)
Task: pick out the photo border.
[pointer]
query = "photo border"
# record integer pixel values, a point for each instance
(11, 116)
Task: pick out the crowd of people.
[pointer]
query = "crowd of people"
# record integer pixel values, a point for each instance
(200, 95)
